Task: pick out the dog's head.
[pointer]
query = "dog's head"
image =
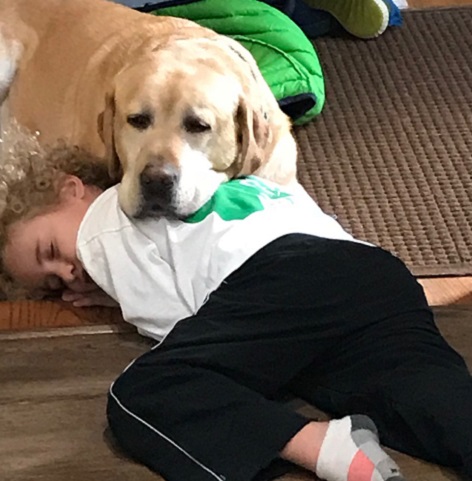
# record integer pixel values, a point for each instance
(184, 118)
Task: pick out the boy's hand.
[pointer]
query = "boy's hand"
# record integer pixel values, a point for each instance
(95, 297)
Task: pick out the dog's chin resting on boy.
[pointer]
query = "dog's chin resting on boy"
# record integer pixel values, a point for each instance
(188, 189)
(196, 183)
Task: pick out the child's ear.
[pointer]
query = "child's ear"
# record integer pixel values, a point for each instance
(71, 187)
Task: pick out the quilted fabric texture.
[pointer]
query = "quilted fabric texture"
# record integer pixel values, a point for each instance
(284, 54)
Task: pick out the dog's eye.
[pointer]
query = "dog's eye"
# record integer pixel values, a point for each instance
(139, 121)
(194, 125)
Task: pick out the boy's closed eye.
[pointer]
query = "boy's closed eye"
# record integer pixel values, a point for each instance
(52, 251)
(52, 284)
(47, 251)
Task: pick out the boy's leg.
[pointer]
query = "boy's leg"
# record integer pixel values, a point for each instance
(343, 449)
(187, 419)
(198, 406)
(402, 374)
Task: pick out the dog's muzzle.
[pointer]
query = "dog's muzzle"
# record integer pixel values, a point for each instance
(158, 185)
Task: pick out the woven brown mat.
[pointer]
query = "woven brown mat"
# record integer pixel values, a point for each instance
(391, 154)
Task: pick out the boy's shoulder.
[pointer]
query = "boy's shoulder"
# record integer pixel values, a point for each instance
(103, 215)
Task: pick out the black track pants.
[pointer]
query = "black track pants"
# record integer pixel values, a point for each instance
(341, 324)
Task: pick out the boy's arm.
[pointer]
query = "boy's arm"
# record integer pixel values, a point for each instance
(95, 297)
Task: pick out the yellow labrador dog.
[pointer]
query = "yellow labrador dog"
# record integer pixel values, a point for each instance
(174, 107)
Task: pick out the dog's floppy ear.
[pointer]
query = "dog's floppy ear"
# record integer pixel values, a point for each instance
(105, 126)
(256, 104)
(253, 136)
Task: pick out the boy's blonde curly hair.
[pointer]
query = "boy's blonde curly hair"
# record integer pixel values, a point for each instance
(30, 178)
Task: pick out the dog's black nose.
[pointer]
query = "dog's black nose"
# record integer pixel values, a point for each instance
(157, 185)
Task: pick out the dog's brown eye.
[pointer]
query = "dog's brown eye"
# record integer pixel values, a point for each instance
(139, 121)
(194, 125)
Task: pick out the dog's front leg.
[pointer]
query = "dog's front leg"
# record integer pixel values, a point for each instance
(10, 52)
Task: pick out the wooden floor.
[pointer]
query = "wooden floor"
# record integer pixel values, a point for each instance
(33, 315)
(52, 422)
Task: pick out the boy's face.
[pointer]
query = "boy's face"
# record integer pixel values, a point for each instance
(41, 252)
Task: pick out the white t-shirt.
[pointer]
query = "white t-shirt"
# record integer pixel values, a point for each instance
(161, 271)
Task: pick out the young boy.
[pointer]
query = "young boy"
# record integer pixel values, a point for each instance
(259, 292)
